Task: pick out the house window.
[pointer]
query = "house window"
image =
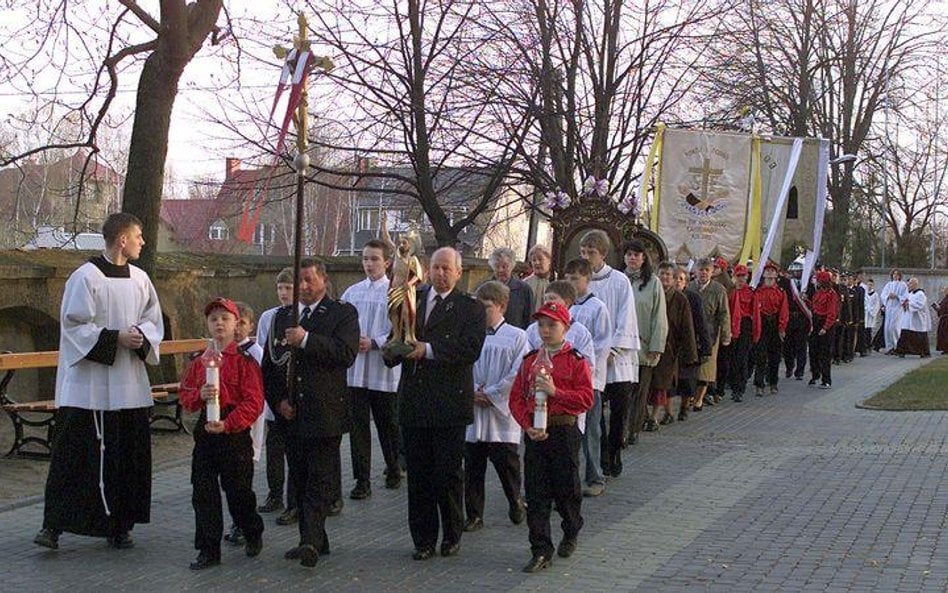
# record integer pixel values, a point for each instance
(218, 231)
(368, 219)
(264, 234)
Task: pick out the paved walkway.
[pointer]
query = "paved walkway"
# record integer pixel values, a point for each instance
(798, 492)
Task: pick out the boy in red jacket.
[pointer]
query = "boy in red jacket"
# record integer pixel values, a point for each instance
(223, 452)
(771, 317)
(825, 308)
(551, 457)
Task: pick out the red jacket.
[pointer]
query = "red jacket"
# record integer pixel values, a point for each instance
(573, 381)
(771, 300)
(241, 390)
(825, 303)
(741, 303)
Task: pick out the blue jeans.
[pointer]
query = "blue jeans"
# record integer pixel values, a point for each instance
(591, 442)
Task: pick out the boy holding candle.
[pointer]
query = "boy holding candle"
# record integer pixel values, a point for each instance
(551, 457)
(223, 453)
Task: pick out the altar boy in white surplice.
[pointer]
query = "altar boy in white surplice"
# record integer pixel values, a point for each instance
(494, 435)
(99, 480)
(372, 385)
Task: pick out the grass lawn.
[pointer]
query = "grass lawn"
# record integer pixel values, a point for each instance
(925, 388)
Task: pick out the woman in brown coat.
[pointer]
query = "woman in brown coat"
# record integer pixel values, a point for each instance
(941, 310)
(680, 347)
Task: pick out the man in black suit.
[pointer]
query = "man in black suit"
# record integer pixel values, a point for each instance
(325, 344)
(436, 403)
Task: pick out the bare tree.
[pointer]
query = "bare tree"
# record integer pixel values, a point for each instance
(599, 77)
(98, 45)
(815, 68)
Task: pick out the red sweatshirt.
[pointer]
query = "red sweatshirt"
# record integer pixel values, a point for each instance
(771, 300)
(573, 381)
(241, 390)
(825, 304)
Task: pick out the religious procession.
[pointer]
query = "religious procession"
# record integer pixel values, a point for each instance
(593, 253)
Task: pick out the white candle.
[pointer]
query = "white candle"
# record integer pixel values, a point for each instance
(212, 376)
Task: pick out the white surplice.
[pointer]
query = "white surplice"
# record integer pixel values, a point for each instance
(893, 293)
(592, 313)
(494, 373)
(916, 318)
(93, 302)
(263, 332)
(614, 289)
(371, 301)
(257, 434)
(873, 307)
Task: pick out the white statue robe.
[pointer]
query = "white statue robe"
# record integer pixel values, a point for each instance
(614, 289)
(369, 371)
(591, 312)
(916, 318)
(494, 373)
(94, 372)
(893, 293)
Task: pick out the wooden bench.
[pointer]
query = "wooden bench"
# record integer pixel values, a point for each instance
(41, 414)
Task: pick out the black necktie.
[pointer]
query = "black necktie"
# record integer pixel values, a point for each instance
(305, 316)
(434, 307)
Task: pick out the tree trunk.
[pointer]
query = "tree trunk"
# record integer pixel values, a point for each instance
(148, 150)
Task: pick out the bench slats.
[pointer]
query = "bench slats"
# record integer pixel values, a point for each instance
(36, 360)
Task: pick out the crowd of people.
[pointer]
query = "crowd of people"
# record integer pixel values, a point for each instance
(613, 353)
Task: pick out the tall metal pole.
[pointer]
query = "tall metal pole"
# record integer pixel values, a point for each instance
(300, 164)
(885, 160)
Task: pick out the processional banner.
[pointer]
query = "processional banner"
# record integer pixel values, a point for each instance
(704, 182)
(796, 221)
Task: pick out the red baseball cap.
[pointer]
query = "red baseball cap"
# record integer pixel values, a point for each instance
(554, 311)
(823, 277)
(772, 266)
(720, 262)
(222, 303)
(740, 270)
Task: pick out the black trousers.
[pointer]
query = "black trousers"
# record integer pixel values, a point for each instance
(863, 339)
(276, 467)
(433, 456)
(314, 467)
(551, 469)
(222, 462)
(767, 353)
(617, 395)
(724, 369)
(821, 361)
(505, 457)
(381, 406)
(740, 354)
(794, 347)
(638, 403)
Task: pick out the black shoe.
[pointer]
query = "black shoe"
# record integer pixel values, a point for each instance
(423, 553)
(473, 524)
(798, 377)
(682, 415)
(616, 467)
(450, 549)
(517, 512)
(235, 536)
(272, 504)
(308, 556)
(121, 541)
(709, 401)
(789, 373)
(393, 480)
(48, 538)
(811, 383)
(669, 419)
(253, 547)
(567, 547)
(361, 491)
(289, 517)
(205, 560)
(537, 563)
(651, 425)
(335, 508)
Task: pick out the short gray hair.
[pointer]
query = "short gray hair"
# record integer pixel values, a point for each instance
(458, 260)
(539, 248)
(501, 252)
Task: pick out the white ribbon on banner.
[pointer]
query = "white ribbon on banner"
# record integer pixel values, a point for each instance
(822, 177)
(779, 210)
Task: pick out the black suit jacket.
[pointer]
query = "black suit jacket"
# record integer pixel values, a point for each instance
(440, 392)
(322, 397)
